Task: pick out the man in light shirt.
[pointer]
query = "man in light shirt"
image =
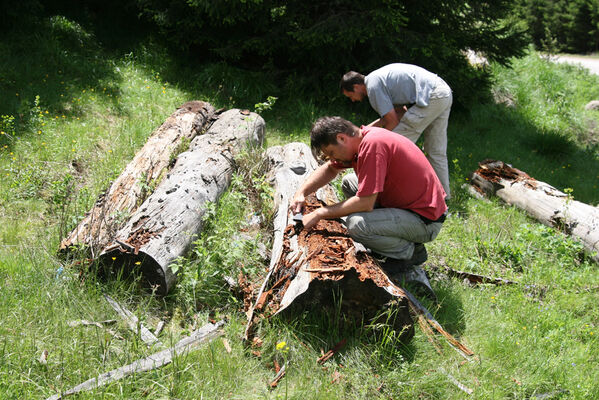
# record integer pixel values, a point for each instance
(411, 101)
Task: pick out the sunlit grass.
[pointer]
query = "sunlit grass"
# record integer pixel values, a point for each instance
(96, 109)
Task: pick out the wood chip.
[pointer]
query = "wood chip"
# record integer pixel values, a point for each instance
(227, 345)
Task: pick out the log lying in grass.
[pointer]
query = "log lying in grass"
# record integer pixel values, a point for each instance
(156, 360)
(307, 268)
(164, 226)
(129, 190)
(541, 201)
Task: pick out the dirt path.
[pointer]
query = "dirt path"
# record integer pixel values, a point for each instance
(592, 64)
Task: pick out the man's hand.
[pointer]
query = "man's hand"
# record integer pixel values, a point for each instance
(400, 111)
(310, 220)
(298, 203)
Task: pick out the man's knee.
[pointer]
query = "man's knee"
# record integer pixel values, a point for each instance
(349, 185)
(356, 227)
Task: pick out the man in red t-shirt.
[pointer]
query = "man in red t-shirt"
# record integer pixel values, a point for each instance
(395, 200)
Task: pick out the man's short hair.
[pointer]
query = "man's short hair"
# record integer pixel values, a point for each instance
(324, 132)
(350, 79)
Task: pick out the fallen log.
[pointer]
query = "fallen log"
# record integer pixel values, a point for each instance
(307, 267)
(541, 201)
(156, 360)
(165, 225)
(130, 189)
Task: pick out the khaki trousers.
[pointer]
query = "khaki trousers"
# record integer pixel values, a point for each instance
(431, 122)
(390, 232)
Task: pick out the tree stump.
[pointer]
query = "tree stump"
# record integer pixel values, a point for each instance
(165, 225)
(541, 201)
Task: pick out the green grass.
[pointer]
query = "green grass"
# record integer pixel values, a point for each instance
(98, 104)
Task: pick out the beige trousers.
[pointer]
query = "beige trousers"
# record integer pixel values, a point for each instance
(431, 122)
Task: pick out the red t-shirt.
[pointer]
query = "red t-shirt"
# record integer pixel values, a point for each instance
(392, 166)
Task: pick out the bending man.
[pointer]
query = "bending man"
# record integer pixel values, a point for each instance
(411, 101)
(395, 201)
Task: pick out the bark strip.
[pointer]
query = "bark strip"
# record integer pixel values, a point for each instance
(156, 360)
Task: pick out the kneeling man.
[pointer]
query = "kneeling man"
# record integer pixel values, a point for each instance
(395, 201)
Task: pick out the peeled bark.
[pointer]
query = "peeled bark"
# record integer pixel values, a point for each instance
(165, 225)
(541, 201)
(130, 189)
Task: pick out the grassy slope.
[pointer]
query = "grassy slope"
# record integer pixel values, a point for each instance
(98, 106)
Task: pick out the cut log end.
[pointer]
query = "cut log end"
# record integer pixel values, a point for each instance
(119, 263)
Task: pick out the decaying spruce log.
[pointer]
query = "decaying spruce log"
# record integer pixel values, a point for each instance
(308, 266)
(129, 190)
(541, 201)
(164, 226)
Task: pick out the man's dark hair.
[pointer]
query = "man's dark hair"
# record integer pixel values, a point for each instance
(324, 132)
(350, 79)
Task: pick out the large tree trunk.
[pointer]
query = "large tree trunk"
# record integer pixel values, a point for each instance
(308, 267)
(167, 222)
(130, 189)
(541, 201)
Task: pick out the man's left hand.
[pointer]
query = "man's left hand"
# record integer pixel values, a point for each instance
(310, 220)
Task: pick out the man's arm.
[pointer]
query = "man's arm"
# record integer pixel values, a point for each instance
(391, 119)
(320, 177)
(352, 205)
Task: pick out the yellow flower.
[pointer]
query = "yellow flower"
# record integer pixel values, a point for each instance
(282, 347)
(138, 263)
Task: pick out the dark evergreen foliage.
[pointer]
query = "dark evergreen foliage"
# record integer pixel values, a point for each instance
(308, 45)
(312, 43)
(561, 25)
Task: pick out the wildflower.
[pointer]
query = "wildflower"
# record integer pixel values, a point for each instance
(282, 347)
(113, 258)
(137, 262)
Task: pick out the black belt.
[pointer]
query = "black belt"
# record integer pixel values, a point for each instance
(430, 221)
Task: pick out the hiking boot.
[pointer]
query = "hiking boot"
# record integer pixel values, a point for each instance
(418, 257)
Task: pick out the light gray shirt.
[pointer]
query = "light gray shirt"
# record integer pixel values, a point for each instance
(400, 84)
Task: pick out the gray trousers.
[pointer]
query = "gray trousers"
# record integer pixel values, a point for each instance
(390, 232)
(431, 122)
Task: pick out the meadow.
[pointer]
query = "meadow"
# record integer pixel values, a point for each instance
(76, 107)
